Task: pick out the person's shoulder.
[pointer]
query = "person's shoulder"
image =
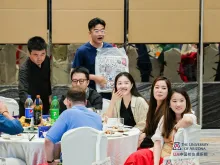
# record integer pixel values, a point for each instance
(93, 92)
(107, 45)
(140, 99)
(69, 112)
(25, 65)
(47, 58)
(84, 47)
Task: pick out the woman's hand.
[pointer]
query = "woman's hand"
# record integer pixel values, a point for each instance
(141, 138)
(116, 95)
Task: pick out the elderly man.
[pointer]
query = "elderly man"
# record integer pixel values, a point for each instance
(8, 124)
(77, 115)
(80, 78)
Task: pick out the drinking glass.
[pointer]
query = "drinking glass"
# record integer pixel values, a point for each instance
(120, 124)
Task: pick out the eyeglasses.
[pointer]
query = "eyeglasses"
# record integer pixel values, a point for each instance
(101, 31)
(81, 81)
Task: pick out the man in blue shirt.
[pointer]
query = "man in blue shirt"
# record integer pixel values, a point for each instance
(8, 124)
(77, 115)
(86, 54)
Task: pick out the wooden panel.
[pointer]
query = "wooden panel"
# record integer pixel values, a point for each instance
(70, 20)
(88, 4)
(211, 21)
(23, 4)
(163, 5)
(22, 20)
(159, 21)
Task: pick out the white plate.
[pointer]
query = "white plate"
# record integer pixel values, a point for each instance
(127, 126)
(127, 129)
(27, 129)
(12, 137)
(116, 134)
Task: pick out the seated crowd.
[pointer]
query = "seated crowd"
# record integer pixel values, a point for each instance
(157, 119)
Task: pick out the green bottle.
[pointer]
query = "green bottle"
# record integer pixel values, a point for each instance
(54, 110)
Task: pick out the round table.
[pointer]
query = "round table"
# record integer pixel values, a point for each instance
(33, 153)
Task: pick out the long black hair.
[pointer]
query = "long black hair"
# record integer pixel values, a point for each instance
(134, 90)
(153, 116)
(169, 114)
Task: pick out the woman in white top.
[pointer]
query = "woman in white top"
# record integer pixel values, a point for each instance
(178, 114)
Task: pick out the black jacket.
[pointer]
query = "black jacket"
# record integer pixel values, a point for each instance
(34, 81)
(94, 99)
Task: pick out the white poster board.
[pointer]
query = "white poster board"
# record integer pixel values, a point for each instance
(109, 63)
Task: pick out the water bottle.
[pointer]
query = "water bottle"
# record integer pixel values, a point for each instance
(28, 107)
(54, 109)
(37, 112)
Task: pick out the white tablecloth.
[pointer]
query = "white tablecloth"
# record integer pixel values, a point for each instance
(33, 153)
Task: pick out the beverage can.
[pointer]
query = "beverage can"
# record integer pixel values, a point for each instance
(28, 113)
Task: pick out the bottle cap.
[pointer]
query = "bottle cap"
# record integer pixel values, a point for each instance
(29, 96)
(54, 97)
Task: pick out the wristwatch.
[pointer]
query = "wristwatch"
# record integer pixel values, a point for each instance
(50, 161)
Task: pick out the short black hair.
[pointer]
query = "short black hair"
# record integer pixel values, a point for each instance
(76, 94)
(36, 43)
(80, 70)
(95, 21)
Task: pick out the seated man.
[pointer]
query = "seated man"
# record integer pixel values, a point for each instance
(80, 78)
(77, 115)
(8, 124)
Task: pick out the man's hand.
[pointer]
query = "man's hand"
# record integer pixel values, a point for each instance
(100, 80)
(3, 108)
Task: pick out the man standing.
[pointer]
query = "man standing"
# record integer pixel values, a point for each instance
(80, 78)
(86, 54)
(34, 75)
(77, 115)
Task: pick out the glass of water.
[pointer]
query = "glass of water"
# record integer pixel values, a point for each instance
(120, 124)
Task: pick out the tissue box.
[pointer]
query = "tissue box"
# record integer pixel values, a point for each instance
(42, 131)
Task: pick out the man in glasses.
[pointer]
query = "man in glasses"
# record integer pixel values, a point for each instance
(86, 54)
(80, 78)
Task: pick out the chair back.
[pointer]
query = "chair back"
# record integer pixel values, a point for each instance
(184, 147)
(105, 105)
(83, 146)
(106, 161)
(12, 105)
(14, 161)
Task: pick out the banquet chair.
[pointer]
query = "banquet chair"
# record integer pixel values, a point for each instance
(106, 161)
(10, 161)
(83, 146)
(182, 151)
(105, 105)
(12, 105)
